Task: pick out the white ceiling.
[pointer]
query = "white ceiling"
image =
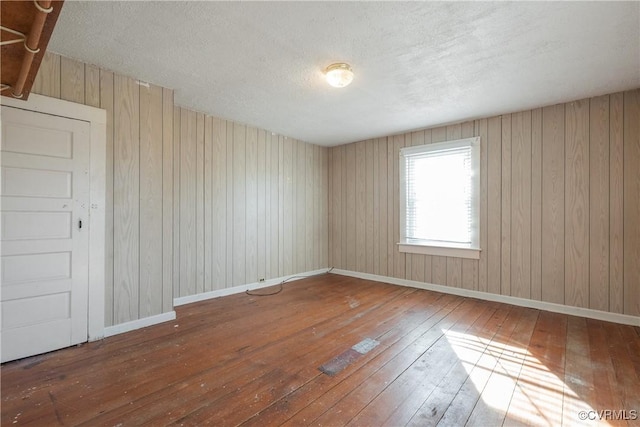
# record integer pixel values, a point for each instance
(416, 64)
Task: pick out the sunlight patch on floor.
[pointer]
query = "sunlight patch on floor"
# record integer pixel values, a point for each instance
(510, 380)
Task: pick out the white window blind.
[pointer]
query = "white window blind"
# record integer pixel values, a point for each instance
(440, 194)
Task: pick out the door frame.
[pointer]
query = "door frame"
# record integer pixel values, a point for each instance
(97, 119)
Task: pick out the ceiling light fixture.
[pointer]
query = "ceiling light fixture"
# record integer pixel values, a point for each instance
(339, 75)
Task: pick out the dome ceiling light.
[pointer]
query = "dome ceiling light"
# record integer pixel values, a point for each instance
(339, 74)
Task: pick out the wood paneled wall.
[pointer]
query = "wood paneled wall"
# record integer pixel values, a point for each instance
(560, 206)
(252, 204)
(194, 203)
(139, 193)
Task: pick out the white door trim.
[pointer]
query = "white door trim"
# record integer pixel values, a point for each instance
(97, 119)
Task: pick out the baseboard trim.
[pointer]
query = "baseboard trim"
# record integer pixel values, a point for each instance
(243, 288)
(140, 323)
(522, 302)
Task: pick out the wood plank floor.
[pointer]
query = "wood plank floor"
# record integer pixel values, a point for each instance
(253, 361)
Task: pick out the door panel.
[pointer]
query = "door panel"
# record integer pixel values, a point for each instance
(44, 252)
(45, 308)
(28, 139)
(21, 182)
(25, 225)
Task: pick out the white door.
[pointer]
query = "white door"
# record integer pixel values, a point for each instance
(44, 212)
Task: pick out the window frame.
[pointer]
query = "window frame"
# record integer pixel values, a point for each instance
(451, 249)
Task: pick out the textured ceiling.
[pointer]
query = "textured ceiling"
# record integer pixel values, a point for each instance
(416, 64)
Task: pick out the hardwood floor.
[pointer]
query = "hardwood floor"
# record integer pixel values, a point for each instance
(253, 361)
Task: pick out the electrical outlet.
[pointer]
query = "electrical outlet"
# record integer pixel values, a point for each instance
(261, 280)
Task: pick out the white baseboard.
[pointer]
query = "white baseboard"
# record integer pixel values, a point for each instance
(243, 288)
(140, 323)
(522, 302)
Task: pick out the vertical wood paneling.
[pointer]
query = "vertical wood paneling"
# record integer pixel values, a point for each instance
(314, 162)
(180, 209)
(375, 190)
(332, 208)
(536, 204)
(272, 238)
(208, 203)
(632, 202)
(398, 257)
(616, 203)
(577, 204)
(92, 85)
(150, 201)
(263, 217)
(263, 199)
(553, 204)
(324, 200)
(505, 272)
(271, 220)
(494, 204)
(454, 272)
(71, 80)
(369, 235)
(308, 223)
(481, 130)
(383, 180)
(599, 203)
(247, 180)
(199, 203)
(47, 81)
(251, 196)
(350, 184)
(106, 103)
(295, 181)
(312, 212)
(281, 196)
(391, 207)
(219, 204)
(194, 201)
(439, 270)
(320, 206)
(239, 204)
(343, 214)
(188, 194)
(360, 209)
(276, 196)
(126, 213)
(336, 209)
(287, 206)
(300, 202)
(229, 225)
(177, 166)
(521, 204)
(167, 200)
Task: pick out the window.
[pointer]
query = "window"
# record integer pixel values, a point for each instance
(439, 198)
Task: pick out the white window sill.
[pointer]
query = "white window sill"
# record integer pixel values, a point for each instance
(414, 248)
